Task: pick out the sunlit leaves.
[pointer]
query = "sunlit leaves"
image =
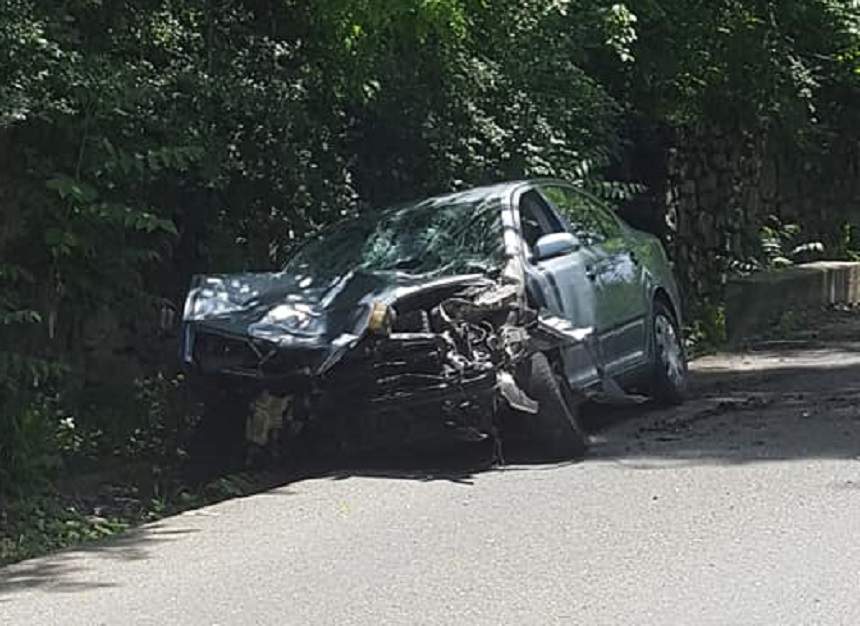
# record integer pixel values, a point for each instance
(746, 62)
(621, 30)
(152, 162)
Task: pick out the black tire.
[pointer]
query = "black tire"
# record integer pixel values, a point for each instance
(669, 378)
(556, 426)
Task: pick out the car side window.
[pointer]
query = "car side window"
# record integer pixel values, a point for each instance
(537, 219)
(589, 221)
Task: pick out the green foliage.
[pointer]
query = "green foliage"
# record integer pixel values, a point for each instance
(782, 246)
(747, 62)
(170, 414)
(848, 247)
(27, 454)
(707, 331)
(33, 526)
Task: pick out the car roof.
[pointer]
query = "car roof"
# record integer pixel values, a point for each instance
(496, 190)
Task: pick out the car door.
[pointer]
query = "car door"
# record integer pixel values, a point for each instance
(559, 285)
(615, 273)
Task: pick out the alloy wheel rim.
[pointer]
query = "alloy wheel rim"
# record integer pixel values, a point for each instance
(669, 350)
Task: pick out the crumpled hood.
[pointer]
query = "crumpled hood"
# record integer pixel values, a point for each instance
(292, 310)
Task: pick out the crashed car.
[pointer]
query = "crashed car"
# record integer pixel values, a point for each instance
(448, 317)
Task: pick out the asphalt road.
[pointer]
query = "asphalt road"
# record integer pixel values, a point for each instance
(743, 507)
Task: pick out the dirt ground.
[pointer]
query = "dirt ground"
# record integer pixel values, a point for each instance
(795, 397)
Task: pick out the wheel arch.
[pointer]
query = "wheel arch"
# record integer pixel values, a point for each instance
(662, 296)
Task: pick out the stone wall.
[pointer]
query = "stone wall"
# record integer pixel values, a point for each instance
(757, 303)
(721, 186)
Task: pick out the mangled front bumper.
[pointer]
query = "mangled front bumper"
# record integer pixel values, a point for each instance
(445, 354)
(386, 371)
(407, 370)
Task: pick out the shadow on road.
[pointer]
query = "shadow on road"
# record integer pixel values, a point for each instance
(458, 465)
(753, 407)
(56, 572)
(67, 571)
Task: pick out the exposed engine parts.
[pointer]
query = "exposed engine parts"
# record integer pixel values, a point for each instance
(435, 365)
(444, 358)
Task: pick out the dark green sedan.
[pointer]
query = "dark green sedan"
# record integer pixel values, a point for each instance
(450, 317)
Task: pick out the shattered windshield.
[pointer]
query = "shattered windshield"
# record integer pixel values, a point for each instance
(450, 236)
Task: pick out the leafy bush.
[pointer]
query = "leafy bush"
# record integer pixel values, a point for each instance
(781, 244)
(707, 331)
(171, 413)
(848, 247)
(27, 450)
(30, 527)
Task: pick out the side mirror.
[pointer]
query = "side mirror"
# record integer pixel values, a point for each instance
(553, 245)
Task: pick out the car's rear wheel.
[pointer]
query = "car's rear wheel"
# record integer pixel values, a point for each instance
(669, 378)
(557, 429)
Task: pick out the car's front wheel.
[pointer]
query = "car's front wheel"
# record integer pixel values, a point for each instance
(669, 384)
(557, 427)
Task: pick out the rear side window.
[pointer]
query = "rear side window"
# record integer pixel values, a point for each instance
(589, 221)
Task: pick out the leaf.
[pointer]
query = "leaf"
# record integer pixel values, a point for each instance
(19, 317)
(812, 246)
(69, 188)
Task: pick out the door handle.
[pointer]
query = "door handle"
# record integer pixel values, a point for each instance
(633, 258)
(591, 273)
